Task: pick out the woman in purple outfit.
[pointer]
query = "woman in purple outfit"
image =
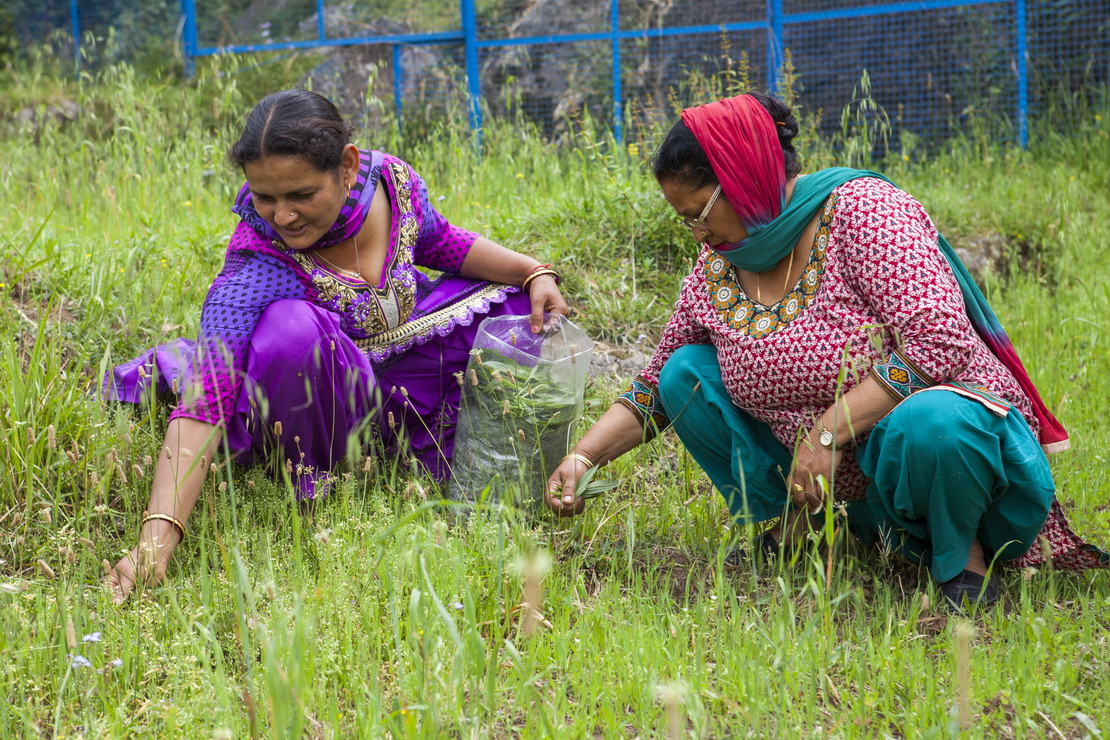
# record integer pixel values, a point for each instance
(320, 326)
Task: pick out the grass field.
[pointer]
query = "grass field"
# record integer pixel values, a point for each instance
(375, 614)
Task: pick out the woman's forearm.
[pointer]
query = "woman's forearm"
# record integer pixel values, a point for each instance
(615, 433)
(180, 472)
(490, 261)
(857, 411)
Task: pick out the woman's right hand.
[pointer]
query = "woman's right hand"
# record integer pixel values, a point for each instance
(561, 486)
(146, 563)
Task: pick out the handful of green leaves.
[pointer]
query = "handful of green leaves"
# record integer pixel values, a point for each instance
(588, 488)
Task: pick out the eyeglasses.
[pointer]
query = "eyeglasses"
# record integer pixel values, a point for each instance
(698, 224)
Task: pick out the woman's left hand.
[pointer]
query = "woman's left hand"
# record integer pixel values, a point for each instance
(545, 295)
(810, 461)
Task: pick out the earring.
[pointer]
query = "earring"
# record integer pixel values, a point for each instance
(348, 190)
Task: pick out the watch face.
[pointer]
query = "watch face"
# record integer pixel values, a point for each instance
(826, 439)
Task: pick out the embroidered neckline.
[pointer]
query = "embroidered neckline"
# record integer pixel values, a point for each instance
(371, 309)
(739, 311)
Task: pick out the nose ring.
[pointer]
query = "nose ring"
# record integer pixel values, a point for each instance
(292, 214)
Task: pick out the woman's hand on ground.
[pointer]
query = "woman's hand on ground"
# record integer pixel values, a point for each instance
(561, 486)
(545, 295)
(810, 463)
(146, 564)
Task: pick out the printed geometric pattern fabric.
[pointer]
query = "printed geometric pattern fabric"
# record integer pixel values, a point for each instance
(642, 399)
(899, 377)
(884, 285)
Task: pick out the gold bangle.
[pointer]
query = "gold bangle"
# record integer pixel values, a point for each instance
(536, 273)
(580, 458)
(177, 523)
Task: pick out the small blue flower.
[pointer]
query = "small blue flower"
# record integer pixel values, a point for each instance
(92, 637)
(115, 663)
(79, 661)
(457, 605)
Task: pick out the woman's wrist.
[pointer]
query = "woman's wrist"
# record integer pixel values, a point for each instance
(538, 272)
(160, 533)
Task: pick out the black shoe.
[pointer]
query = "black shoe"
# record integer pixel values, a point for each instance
(766, 547)
(976, 590)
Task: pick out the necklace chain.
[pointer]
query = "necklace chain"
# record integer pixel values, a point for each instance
(344, 269)
(785, 284)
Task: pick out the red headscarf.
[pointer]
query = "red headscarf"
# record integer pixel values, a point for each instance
(742, 143)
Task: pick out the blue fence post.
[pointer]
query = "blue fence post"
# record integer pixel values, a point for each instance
(75, 28)
(398, 70)
(189, 36)
(321, 27)
(1023, 77)
(615, 43)
(473, 83)
(774, 44)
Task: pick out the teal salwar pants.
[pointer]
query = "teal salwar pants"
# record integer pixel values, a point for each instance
(944, 469)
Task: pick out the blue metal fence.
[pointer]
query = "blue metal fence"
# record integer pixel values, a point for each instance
(932, 63)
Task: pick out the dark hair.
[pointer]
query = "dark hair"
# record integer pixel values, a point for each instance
(681, 157)
(297, 123)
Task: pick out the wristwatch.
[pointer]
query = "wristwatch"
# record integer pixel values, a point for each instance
(824, 437)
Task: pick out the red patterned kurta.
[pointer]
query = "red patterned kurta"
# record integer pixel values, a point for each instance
(877, 297)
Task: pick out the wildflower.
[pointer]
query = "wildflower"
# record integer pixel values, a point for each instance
(51, 441)
(91, 637)
(457, 605)
(115, 663)
(78, 661)
(277, 428)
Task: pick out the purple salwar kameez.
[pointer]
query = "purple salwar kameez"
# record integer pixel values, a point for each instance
(283, 339)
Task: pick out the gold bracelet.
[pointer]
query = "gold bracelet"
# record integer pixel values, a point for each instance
(580, 458)
(177, 523)
(536, 273)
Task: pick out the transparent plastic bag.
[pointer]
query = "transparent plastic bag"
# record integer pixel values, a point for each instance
(521, 399)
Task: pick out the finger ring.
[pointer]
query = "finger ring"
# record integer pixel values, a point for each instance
(798, 488)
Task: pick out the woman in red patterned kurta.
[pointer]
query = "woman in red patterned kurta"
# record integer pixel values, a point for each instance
(822, 347)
